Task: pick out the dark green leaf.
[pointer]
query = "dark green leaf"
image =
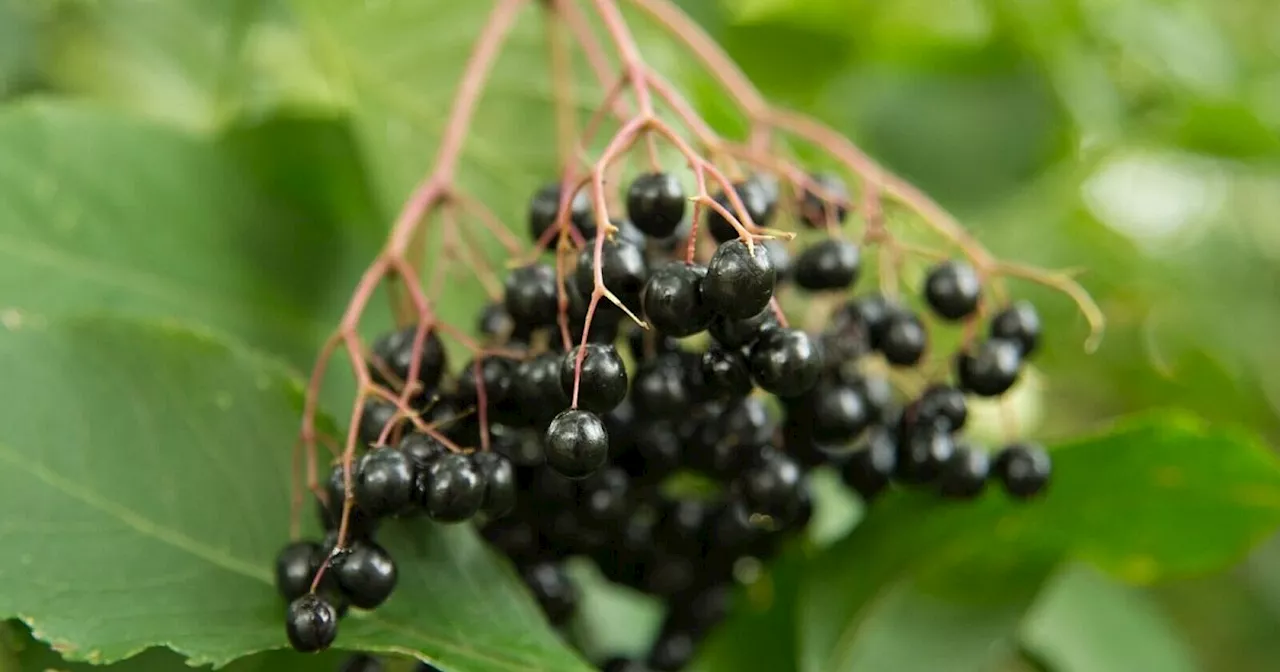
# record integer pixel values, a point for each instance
(1153, 497)
(150, 464)
(102, 212)
(1086, 622)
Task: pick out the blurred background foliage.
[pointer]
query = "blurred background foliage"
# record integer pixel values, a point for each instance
(1138, 139)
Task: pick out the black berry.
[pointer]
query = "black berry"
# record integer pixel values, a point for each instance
(553, 589)
(780, 257)
(726, 373)
(942, 401)
(672, 299)
(904, 340)
(545, 205)
(671, 652)
(377, 416)
(452, 489)
(603, 383)
(366, 574)
(495, 323)
(622, 268)
(496, 372)
(952, 290)
(603, 497)
(530, 296)
(786, 362)
(384, 484)
(393, 354)
(311, 624)
(1023, 469)
(772, 488)
(964, 475)
(755, 197)
(359, 524)
(740, 281)
(1019, 323)
(660, 388)
(656, 203)
(740, 333)
(296, 567)
(536, 389)
(828, 264)
(499, 477)
(834, 413)
(923, 450)
(818, 210)
(871, 465)
(991, 368)
(421, 449)
(576, 443)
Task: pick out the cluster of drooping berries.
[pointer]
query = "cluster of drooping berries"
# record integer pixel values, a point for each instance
(673, 452)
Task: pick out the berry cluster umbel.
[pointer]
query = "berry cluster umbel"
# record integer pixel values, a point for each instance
(583, 442)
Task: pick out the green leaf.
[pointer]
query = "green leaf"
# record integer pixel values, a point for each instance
(195, 63)
(150, 466)
(1086, 622)
(1154, 497)
(111, 213)
(761, 632)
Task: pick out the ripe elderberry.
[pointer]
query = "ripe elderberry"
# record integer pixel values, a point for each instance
(495, 323)
(545, 205)
(536, 389)
(451, 489)
(496, 372)
(786, 362)
(872, 464)
(672, 299)
(384, 484)
(757, 199)
(964, 475)
(377, 416)
(952, 290)
(828, 264)
(499, 477)
(421, 450)
(656, 203)
(818, 210)
(923, 449)
(1023, 469)
(905, 339)
(1019, 323)
(366, 574)
(773, 486)
(296, 567)
(530, 296)
(622, 268)
(740, 280)
(735, 333)
(726, 373)
(941, 401)
(553, 589)
(393, 354)
(991, 368)
(311, 624)
(576, 443)
(834, 413)
(660, 388)
(603, 383)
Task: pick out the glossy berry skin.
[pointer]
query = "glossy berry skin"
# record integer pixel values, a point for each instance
(1019, 323)
(726, 373)
(818, 212)
(923, 449)
(991, 368)
(311, 624)
(827, 265)
(377, 414)
(834, 413)
(784, 265)
(496, 372)
(494, 323)
(452, 489)
(366, 574)
(576, 443)
(656, 204)
(603, 383)
(772, 487)
(941, 401)
(755, 197)
(622, 268)
(361, 662)
(536, 388)
(421, 450)
(658, 451)
(660, 388)
(395, 352)
(360, 524)
(296, 567)
(964, 475)
(952, 290)
(904, 340)
(603, 499)
(424, 666)
(786, 362)
(875, 313)
(740, 281)
(545, 205)
(499, 477)
(1023, 469)
(530, 296)
(553, 589)
(735, 333)
(871, 465)
(672, 299)
(384, 484)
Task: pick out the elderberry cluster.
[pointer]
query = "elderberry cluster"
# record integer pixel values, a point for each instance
(674, 455)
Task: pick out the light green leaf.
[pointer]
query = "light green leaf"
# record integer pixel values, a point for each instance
(150, 466)
(1087, 622)
(1154, 497)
